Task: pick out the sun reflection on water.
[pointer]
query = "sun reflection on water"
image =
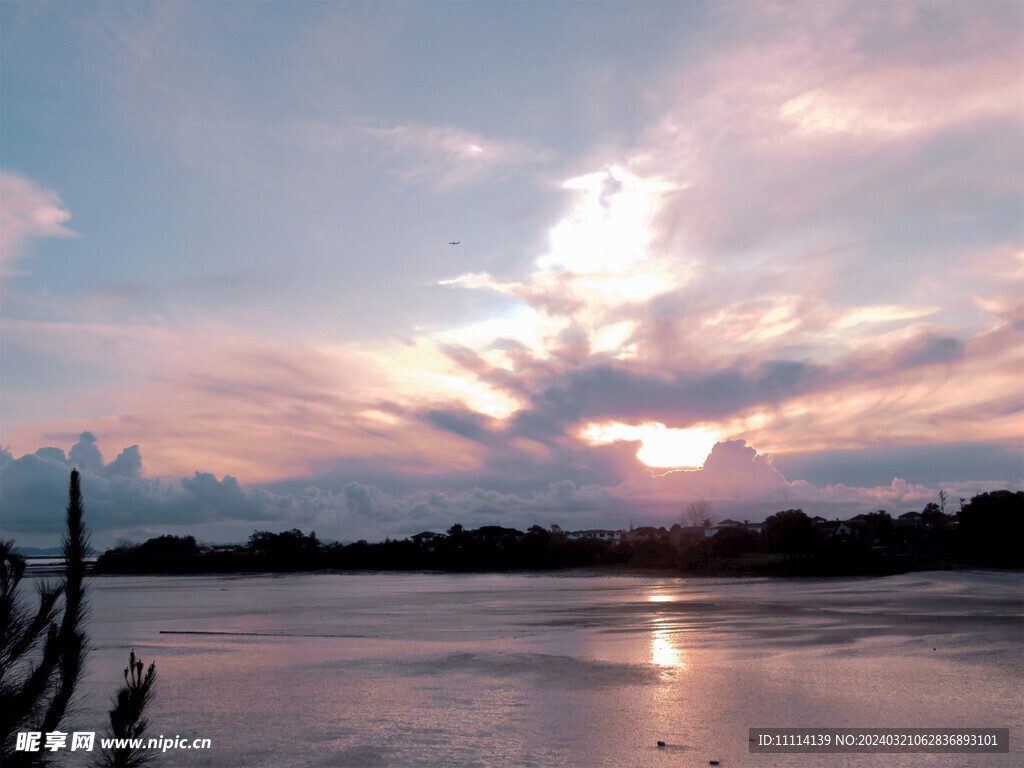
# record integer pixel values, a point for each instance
(665, 652)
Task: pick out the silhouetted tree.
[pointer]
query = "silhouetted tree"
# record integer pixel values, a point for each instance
(991, 528)
(732, 541)
(288, 550)
(931, 514)
(126, 717)
(161, 554)
(536, 547)
(791, 532)
(698, 513)
(36, 695)
(168, 545)
(874, 528)
(42, 654)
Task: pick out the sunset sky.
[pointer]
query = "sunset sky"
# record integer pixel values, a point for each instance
(768, 255)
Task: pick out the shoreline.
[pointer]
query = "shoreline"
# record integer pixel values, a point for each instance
(590, 571)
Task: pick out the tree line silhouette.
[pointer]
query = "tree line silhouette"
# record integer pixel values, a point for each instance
(985, 533)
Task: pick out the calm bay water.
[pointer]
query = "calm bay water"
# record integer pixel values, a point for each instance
(368, 670)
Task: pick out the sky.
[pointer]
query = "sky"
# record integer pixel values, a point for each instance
(765, 255)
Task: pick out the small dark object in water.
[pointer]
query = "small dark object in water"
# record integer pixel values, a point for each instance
(661, 743)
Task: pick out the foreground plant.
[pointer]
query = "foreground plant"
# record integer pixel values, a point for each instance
(36, 695)
(126, 718)
(42, 652)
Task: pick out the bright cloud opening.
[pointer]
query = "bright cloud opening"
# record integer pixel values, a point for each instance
(599, 259)
(610, 227)
(662, 447)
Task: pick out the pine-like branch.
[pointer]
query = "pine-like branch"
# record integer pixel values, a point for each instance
(36, 695)
(127, 719)
(71, 638)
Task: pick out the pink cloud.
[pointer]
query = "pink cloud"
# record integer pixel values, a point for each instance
(27, 211)
(210, 397)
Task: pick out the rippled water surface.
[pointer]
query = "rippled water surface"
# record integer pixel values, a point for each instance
(368, 670)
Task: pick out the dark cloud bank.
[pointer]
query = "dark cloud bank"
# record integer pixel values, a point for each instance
(359, 499)
(120, 501)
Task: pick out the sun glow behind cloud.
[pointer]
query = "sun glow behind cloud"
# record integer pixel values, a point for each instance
(600, 259)
(662, 447)
(610, 227)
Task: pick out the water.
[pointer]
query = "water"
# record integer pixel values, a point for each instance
(49, 566)
(368, 670)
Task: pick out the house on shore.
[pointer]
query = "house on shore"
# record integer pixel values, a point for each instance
(601, 534)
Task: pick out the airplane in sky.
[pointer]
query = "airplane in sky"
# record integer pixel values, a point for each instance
(454, 242)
